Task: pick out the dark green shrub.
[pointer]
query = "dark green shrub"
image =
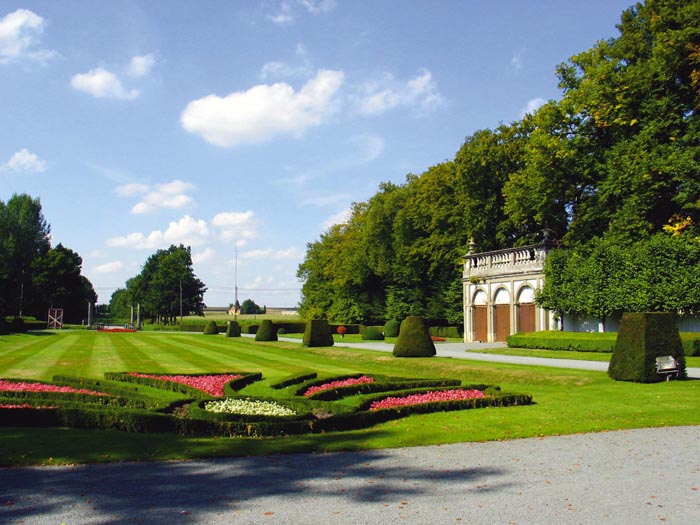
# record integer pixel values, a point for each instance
(573, 341)
(445, 331)
(391, 328)
(252, 329)
(372, 333)
(290, 328)
(211, 328)
(414, 339)
(642, 338)
(4, 328)
(350, 328)
(317, 333)
(281, 330)
(233, 329)
(18, 326)
(266, 332)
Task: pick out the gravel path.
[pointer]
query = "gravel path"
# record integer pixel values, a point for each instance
(632, 477)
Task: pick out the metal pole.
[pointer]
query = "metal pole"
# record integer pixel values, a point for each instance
(180, 304)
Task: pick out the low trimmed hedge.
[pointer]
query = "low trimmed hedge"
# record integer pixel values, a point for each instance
(231, 386)
(388, 386)
(587, 341)
(445, 331)
(294, 380)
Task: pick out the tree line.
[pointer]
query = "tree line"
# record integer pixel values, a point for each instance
(611, 168)
(34, 276)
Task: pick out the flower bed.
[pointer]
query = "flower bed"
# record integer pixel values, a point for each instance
(338, 384)
(427, 397)
(248, 407)
(210, 384)
(23, 386)
(26, 405)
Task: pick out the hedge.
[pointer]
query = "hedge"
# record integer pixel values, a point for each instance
(587, 341)
(445, 331)
(388, 386)
(294, 380)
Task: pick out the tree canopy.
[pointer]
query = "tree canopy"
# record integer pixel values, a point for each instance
(612, 168)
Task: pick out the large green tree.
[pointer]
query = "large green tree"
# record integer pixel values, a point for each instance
(167, 283)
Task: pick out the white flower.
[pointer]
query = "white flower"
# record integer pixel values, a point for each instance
(248, 407)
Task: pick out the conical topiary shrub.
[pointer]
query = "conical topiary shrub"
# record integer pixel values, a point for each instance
(391, 328)
(233, 329)
(210, 328)
(642, 338)
(318, 333)
(414, 339)
(266, 332)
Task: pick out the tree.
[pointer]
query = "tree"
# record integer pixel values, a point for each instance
(249, 307)
(166, 283)
(120, 304)
(24, 238)
(58, 283)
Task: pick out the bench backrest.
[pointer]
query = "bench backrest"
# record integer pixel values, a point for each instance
(666, 362)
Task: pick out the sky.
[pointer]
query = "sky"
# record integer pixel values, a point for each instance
(246, 129)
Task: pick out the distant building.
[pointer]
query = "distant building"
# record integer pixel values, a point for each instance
(499, 292)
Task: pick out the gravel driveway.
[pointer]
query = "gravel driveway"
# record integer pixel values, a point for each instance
(631, 477)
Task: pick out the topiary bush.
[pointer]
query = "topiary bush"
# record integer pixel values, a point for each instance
(233, 329)
(317, 333)
(372, 333)
(4, 329)
(266, 332)
(642, 338)
(210, 328)
(18, 326)
(414, 339)
(281, 331)
(391, 328)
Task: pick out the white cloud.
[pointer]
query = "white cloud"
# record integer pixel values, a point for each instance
(277, 70)
(109, 267)
(264, 111)
(171, 195)
(286, 10)
(187, 231)
(383, 95)
(101, 83)
(24, 161)
(339, 218)
(20, 31)
(235, 226)
(291, 253)
(131, 189)
(202, 257)
(140, 66)
(532, 106)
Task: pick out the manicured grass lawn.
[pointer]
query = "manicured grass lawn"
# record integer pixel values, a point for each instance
(566, 401)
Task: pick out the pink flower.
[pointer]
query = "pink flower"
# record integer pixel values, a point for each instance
(25, 405)
(428, 397)
(211, 384)
(21, 386)
(337, 384)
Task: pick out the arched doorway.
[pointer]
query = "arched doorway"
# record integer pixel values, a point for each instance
(481, 331)
(526, 310)
(501, 315)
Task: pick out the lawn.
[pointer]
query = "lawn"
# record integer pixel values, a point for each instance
(566, 401)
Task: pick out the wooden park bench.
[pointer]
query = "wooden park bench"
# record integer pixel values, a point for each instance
(668, 366)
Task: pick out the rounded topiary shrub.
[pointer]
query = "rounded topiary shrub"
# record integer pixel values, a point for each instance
(391, 328)
(642, 338)
(210, 328)
(318, 333)
(233, 329)
(372, 333)
(282, 331)
(266, 331)
(414, 339)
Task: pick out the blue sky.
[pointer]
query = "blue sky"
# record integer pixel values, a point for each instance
(250, 127)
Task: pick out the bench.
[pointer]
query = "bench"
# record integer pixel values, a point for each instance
(668, 366)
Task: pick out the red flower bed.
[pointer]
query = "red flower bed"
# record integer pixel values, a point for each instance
(116, 329)
(26, 405)
(428, 397)
(21, 386)
(337, 384)
(436, 338)
(211, 384)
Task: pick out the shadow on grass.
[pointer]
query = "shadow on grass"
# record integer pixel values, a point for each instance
(185, 491)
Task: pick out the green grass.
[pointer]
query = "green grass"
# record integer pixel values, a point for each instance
(566, 401)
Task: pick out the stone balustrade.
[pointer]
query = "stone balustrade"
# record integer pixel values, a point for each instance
(524, 259)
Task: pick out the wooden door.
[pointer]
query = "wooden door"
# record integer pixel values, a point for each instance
(526, 317)
(480, 324)
(502, 321)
